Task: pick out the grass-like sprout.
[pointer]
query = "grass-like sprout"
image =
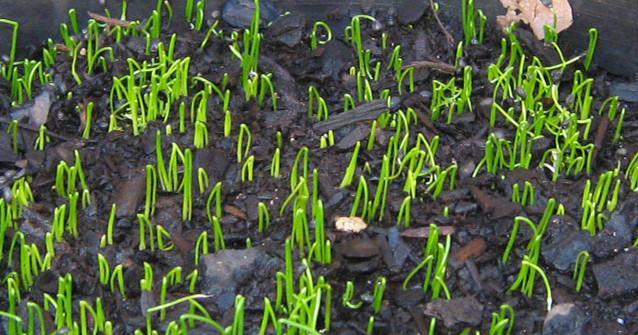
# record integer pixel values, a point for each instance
(203, 181)
(42, 139)
(348, 295)
(144, 224)
(117, 280)
(361, 197)
(244, 142)
(200, 15)
(58, 222)
(300, 158)
(173, 277)
(579, 269)
(12, 130)
(352, 167)
(496, 151)
(321, 247)
(535, 268)
(315, 38)
(353, 34)
(434, 272)
(104, 270)
(591, 49)
(321, 109)
(146, 283)
(151, 191)
(619, 127)
(7, 70)
(409, 72)
(275, 164)
(263, 216)
(551, 35)
(594, 201)
(188, 11)
(216, 195)
(404, 216)
(162, 235)
(89, 120)
(473, 32)
(503, 321)
(187, 203)
(247, 169)
(93, 50)
(379, 291)
(249, 56)
(527, 198)
(631, 174)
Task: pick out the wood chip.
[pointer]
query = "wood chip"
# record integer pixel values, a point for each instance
(424, 232)
(473, 249)
(109, 20)
(235, 211)
(350, 224)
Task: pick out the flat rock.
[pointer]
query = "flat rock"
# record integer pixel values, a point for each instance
(625, 91)
(410, 11)
(617, 276)
(463, 310)
(288, 29)
(226, 270)
(563, 250)
(565, 319)
(129, 194)
(614, 237)
(358, 248)
(239, 13)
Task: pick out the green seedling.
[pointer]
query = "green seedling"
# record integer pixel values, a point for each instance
(151, 191)
(527, 198)
(146, 283)
(352, 167)
(263, 217)
(321, 109)
(379, 291)
(249, 56)
(163, 234)
(173, 278)
(104, 270)
(404, 217)
(203, 181)
(244, 142)
(187, 204)
(200, 15)
(631, 174)
(434, 272)
(361, 197)
(247, 169)
(579, 269)
(595, 201)
(503, 321)
(346, 300)
(551, 35)
(117, 280)
(321, 247)
(275, 165)
(145, 225)
(300, 158)
(42, 139)
(593, 41)
(353, 35)
(315, 38)
(535, 268)
(7, 70)
(473, 32)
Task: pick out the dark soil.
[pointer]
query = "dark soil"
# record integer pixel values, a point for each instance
(480, 217)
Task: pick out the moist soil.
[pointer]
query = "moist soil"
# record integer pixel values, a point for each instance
(480, 210)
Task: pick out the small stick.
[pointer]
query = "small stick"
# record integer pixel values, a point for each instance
(35, 130)
(450, 39)
(366, 112)
(109, 20)
(438, 66)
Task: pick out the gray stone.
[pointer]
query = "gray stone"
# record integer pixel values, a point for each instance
(226, 270)
(239, 13)
(614, 237)
(464, 310)
(565, 319)
(563, 250)
(625, 91)
(617, 276)
(288, 29)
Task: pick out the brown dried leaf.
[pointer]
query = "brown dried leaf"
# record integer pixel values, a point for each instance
(537, 15)
(350, 224)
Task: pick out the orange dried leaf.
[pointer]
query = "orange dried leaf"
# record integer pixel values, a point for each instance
(537, 15)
